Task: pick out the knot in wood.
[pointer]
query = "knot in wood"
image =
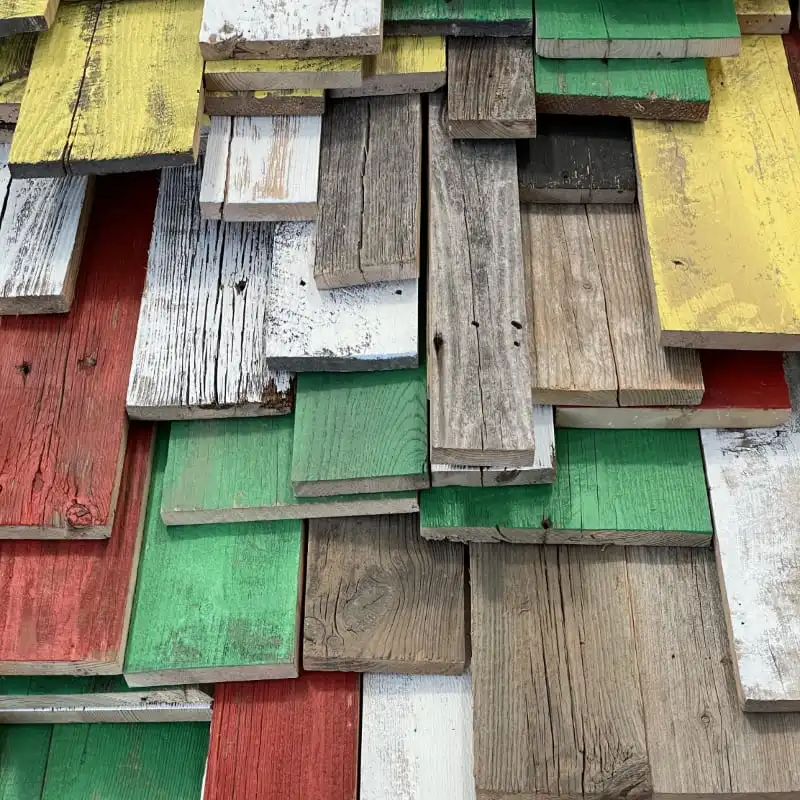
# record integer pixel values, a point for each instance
(79, 516)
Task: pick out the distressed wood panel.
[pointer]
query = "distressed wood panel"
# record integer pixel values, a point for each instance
(478, 366)
(458, 17)
(370, 194)
(259, 103)
(234, 75)
(201, 344)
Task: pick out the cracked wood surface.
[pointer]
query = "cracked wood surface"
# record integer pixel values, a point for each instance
(379, 598)
(370, 193)
(202, 339)
(478, 366)
(594, 333)
(63, 374)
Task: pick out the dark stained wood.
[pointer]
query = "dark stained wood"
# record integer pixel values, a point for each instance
(791, 44)
(379, 598)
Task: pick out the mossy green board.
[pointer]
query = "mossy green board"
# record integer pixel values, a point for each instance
(229, 470)
(215, 603)
(458, 17)
(639, 88)
(625, 487)
(360, 432)
(106, 762)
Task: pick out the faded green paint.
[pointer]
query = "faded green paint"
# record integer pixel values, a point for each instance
(457, 11)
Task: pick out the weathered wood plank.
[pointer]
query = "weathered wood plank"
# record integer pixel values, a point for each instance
(70, 579)
(259, 103)
(416, 737)
(201, 342)
(478, 368)
(490, 92)
(370, 193)
(23, 16)
(198, 615)
(379, 598)
(240, 471)
(732, 285)
(622, 487)
(763, 16)
(458, 18)
(16, 54)
(235, 75)
(304, 28)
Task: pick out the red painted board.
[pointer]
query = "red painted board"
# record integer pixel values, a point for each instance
(65, 606)
(743, 379)
(791, 44)
(64, 377)
(285, 740)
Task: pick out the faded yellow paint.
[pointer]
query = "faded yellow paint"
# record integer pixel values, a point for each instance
(283, 73)
(721, 208)
(408, 55)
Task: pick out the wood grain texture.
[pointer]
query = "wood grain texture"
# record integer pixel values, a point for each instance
(478, 367)
(589, 264)
(360, 432)
(259, 103)
(736, 285)
(751, 476)
(490, 92)
(98, 104)
(558, 712)
(457, 18)
(263, 746)
(405, 65)
(543, 469)
(637, 88)
(624, 487)
(577, 160)
(76, 622)
(74, 762)
(379, 598)
(51, 700)
(41, 240)
(24, 16)
(356, 328)
(227, 471)
(763, 16)
(370, 193)
(627, 29)
(200, 615)
(305, 28)
(235, 75)
(16, 53)
(61, 374)
(201, 342)
(416, 737)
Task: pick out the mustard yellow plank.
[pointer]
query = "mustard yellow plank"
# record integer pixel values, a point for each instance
(721, 208)
(238, 75)
(20, 16)
(763, 16)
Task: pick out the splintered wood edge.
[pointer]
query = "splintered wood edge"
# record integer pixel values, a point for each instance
(176, 677)
(551, 536)
(179, 413)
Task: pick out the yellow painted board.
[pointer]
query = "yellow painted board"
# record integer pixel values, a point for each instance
(113, 87)
(763, 16)
(283, 73)
(20, 16)
(721, 208)
(16, 53)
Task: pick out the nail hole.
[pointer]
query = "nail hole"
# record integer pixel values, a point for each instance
(515, 324)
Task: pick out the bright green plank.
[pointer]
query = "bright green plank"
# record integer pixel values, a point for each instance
(219, 596)
(245, 465)
(606, 480)
(554, 19)
(466, 12)
(365, 428)
(646, 79)
(23, 760)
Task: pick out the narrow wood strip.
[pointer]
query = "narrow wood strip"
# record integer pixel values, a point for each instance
(201, 342)
(625, 487)
(213, 186)
(738, 287)
(763, 16)
(71, 577)
(379, 598)
(370, 193)
(260, 103)
(196, 617)
(460, 18)
(424, 721)
(490, 88)
(227, 471)
(235, 75)
(21, 16)
(263, 746)
(478, 367)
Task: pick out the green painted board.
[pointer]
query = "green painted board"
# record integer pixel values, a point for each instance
(106, 762)
(612, 486)
(458, 17)
(360, 432)
(215, 603)
(225, 470)
(636, 29)
(640, 88)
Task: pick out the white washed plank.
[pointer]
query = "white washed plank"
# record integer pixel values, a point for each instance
(282, 29)
(215, 168)
(350, 329)
(754, 485)
(41, 240)
(416, 738)
(201, 343)
(542, 471)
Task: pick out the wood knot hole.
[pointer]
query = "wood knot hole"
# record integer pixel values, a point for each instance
(87, 361)
(79, 516)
